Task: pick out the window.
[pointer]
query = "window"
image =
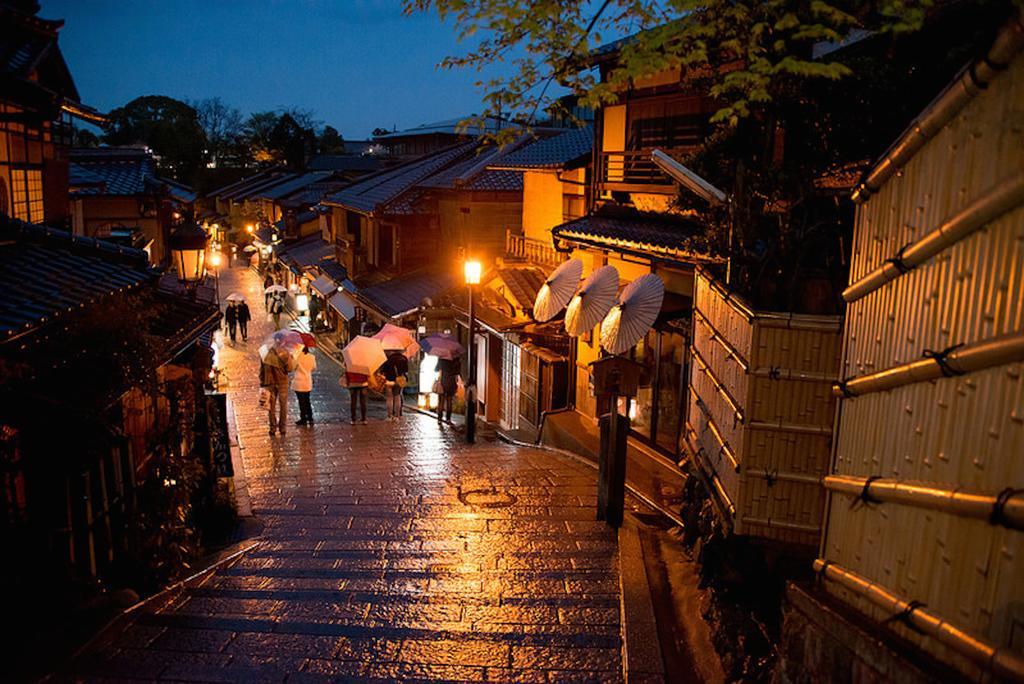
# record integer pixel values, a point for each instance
(27, 194)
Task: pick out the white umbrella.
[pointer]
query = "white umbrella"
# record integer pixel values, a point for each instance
(236, 297)
(393, 337)
(557, 290)
(249, 248)
(274, 289)
(592, 302)
(363, 355)
(633, 316)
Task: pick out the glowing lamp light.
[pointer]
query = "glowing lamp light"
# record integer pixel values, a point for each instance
(250, 228)
(302, 302)
(188, 252)
(215, 259)
(473, 270)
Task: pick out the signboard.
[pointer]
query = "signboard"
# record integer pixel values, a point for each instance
(220, 441)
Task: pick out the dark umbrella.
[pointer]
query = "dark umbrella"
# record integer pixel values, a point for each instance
(442, 345)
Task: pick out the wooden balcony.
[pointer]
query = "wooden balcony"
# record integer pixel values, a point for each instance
(534, 251)
(634, 171)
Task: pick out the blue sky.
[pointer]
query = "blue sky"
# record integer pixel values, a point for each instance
(357, 64)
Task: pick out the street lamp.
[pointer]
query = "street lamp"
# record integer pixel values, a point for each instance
(472, 269)
(215, 259)
(188, 253)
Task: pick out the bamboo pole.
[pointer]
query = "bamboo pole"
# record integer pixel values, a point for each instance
(994, 351)
(723, 446)
(1000, 661)
(1004, 196)
(716, 336)
(707, 370)
(782, 524)
(963, 503)
(724, 499)
(790, 374)
(971, 81)
(798, 428)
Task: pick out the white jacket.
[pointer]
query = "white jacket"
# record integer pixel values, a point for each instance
(304, 367)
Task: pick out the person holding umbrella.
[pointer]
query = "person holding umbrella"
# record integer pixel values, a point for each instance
(274, 370)
(449, 385)
(243, 319)
(268, 282)
(231, 319)
(449, 359)
(276, 309)
(396, 371)
(362, 356)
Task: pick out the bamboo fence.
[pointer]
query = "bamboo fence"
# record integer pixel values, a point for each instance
(761, 412)
(924, 498)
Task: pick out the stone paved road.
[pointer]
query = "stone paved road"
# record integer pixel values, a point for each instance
(385, 557)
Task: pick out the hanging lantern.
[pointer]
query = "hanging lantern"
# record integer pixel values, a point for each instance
(188, 252)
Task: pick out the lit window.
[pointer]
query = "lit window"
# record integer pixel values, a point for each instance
(27, 192)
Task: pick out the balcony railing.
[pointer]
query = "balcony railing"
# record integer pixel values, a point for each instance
(532, 250)
(634, 168)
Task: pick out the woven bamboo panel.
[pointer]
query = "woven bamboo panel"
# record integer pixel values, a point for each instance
(954, 432)
(778, 429)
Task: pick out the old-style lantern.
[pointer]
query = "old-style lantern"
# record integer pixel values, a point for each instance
(188, 253)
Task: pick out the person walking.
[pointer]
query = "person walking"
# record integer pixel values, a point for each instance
(267, 282)
(244, 316)
(396, 371)
(276, 309)
(231, 319)
(303, 385)
(358, 385)
(449, 384)
(274, 379)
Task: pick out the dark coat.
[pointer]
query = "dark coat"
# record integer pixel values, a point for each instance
(396, 365)
(449, 374)
(231, 315)
(243, 313)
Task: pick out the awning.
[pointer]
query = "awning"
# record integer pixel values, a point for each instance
(324, 286)
(343, 303)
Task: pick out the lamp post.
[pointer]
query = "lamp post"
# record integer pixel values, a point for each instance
(215, 259)
(188, 253)
(472, 269)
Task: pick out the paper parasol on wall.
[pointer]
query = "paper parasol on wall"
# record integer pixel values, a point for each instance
(557, 290)
(592, 302)
(363, 355)
(633, 316)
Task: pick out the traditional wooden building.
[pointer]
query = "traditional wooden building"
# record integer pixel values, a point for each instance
(89, 423)
(117, 195)
(38, 100)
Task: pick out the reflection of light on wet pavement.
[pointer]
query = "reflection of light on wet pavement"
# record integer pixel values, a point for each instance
(391, 551)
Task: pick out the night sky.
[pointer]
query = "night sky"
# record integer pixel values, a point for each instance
(357, 64)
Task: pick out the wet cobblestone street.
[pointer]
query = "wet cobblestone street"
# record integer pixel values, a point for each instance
(391, 551)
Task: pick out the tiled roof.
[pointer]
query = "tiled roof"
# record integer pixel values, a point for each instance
(662, 234)
(557, 152)
(456, 177)
(45, 272)
(312, 194)
(110, 171)
(372, 193)
(400, 295)
(246, 180)
(291, 185)
(255, 188)
(120, 171)
(523, 284)
(333, 270)
(306, 252)
(29, 52)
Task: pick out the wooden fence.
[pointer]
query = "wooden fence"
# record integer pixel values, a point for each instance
(761, 412)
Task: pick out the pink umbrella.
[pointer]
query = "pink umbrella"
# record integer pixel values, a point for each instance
(394, 338)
